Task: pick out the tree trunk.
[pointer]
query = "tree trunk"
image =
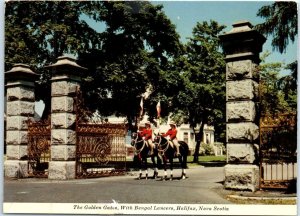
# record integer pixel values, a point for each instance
(199, 137)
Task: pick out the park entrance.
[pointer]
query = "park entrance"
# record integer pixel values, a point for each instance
(278, 150)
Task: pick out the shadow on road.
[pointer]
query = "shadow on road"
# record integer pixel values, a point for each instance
(212, 164)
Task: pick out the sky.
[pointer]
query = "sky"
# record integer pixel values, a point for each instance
(185, 15)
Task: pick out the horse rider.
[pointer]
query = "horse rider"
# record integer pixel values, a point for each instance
(146, 134)
(172, 132)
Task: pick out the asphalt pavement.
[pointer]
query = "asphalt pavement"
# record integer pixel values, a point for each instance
(201, 186)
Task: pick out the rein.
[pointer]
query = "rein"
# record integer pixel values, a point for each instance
(136, 149)
(161, 145)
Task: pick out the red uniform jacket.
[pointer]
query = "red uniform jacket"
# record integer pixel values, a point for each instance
(172, 133)
(147, 133)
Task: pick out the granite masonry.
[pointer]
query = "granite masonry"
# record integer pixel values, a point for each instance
(242, 46)
(20, 98)
(66, 78)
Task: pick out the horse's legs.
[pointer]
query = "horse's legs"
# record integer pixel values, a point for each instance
(140, 174)
(171, 168)
(154, 167)
(146, 167)
(182, 160)
(140, 166)
(165, 167)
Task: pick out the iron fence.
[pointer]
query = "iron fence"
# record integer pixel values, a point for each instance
(278, 150)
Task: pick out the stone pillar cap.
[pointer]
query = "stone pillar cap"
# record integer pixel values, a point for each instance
(240, 26)
(242, 23)
(21, 72)
(242, 42)
(243, 28)
(66, 61)
(21, 68)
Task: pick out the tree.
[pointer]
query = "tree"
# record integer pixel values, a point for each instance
(138, 42)
(272, 98)
(281, 22)
(37, 32)
(288, 84)
(202, 96)
(280, 94)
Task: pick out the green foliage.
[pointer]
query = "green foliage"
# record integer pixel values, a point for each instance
(37, 32)
(202, 98)
(281, 22)
(204, 77)
(138, 42)
(288, 86)
(206, 149)
(277, 94)
(193, 86)
(124, 60)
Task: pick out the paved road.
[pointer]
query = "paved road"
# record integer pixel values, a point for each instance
(201, 186)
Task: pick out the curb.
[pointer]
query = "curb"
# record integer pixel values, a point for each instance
(261, 198)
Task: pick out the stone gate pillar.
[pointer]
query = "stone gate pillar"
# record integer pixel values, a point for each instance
(242, 46)
(66, 78)
(20, 101)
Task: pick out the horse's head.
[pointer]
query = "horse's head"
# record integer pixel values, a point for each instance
(159, 139)
(134, 137)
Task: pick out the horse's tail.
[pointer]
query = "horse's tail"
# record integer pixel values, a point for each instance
(184, 153)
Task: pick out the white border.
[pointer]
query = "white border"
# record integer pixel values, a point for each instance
(148, 209)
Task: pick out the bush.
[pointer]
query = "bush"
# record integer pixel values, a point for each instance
(206, 149)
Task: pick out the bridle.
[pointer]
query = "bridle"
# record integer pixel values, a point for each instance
(135, 146)
(162, 151)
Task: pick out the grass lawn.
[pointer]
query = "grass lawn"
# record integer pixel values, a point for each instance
(208, 159)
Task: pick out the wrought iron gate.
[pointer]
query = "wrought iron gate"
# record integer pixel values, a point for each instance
(278, 150)
(38, 149)
(100, 147)
(100, 150)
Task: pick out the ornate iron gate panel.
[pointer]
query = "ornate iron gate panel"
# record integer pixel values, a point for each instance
(100, 150)
(278, 150)
(100, 147)
(38, 149)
